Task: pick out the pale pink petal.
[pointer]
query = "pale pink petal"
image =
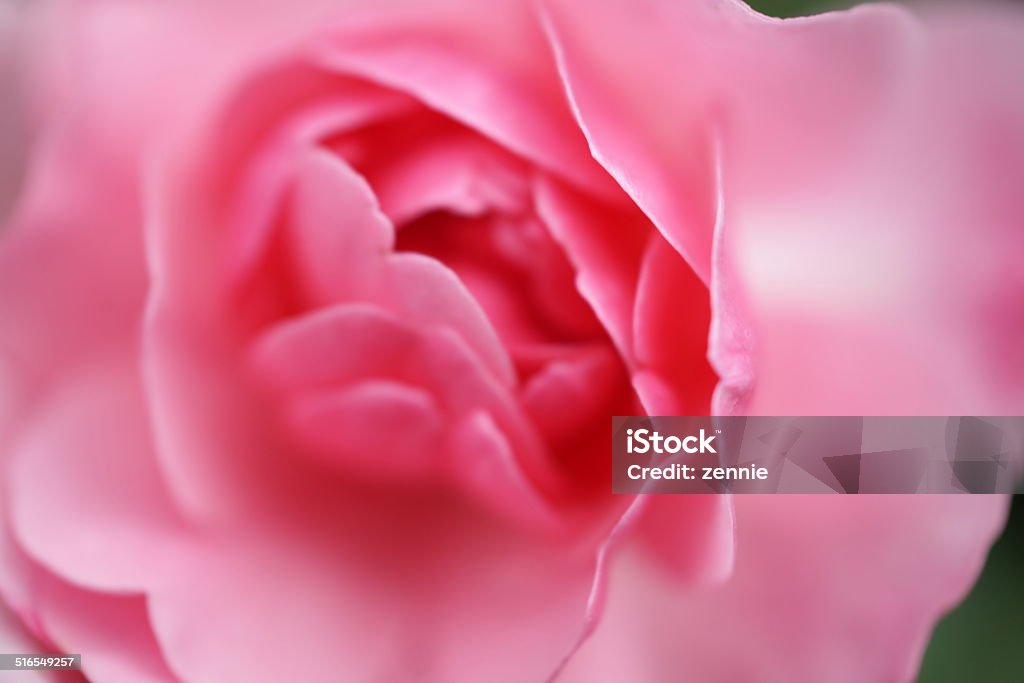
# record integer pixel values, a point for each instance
(496, 77)
(837, 179)
(211, 439)
(390, 589)
(343, 245)
(276, 118)
(69, 206)
(336, 346)
(651, 81)
(832, 192)
(887, 282)
(111, 632)
(426, 292)
(15, 639)
(843, 589)
(339, 236)
(86, 499)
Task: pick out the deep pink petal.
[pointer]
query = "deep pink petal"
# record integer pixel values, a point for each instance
(335, 349)
(425, 162)
(605, 246)
(671, 319)
(386, 429)
(694, 536)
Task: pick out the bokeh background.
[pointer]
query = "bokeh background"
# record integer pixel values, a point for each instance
(982, 640)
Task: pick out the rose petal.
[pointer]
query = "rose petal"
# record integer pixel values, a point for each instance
(425, 162)
(337, 347)
(86, 498)
(47, 326)
(566, 394)
(275, 118)
(483, 461)
(427, 292)
(15, 135)
(340, 237)
(111, 632)
(694, 536)
(392, 590)
(496, 78)
(606, 248)
(13, 638)
(704, 63)
(378, 427)
(68, 619)
(671, 320)
(890, 279)
(812, 576)
(343, 244)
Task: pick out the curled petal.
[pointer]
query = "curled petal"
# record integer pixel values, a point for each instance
(909, 557)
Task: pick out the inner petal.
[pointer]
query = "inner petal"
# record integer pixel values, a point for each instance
(571, 376)
(514, 270)
(422, 162)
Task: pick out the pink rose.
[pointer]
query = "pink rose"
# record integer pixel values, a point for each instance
(313, 316)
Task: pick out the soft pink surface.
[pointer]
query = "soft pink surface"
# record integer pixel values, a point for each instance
(314, 315)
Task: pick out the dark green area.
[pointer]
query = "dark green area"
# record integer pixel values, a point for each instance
(982, 640)
(795, 8)
(803, 8)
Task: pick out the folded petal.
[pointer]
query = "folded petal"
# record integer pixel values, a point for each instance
(439, 596)
(111, 632)
(605, 244)
(882, 278)
(651, 82)
(837, 589)
(86, 498)
(14, 639)
(486, 67)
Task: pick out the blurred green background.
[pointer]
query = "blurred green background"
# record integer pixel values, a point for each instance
(797, 8)
(982, 640)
